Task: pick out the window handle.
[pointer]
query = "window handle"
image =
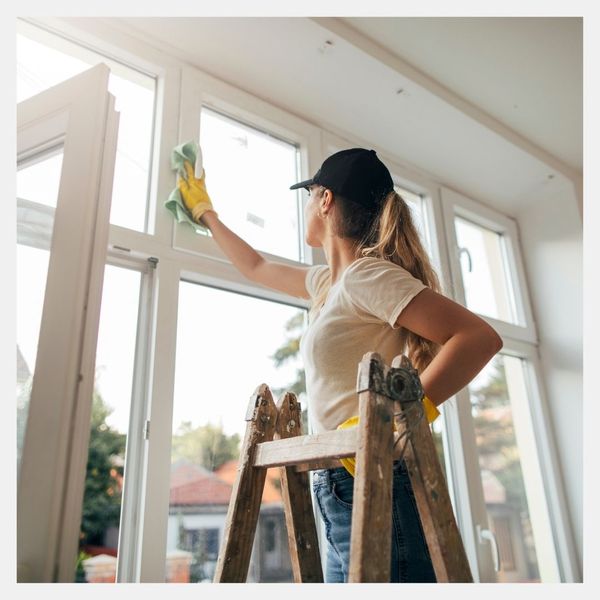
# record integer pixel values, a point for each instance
(462, 251)
(488, 534)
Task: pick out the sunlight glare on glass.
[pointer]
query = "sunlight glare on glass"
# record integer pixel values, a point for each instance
(483, 270)
(41, 66)
(248, 175)
(222, 359)
(116, 343)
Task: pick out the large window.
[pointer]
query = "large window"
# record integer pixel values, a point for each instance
(240, 343)
(248, 175)
(510, 471)
(43, 60)
(484, 269)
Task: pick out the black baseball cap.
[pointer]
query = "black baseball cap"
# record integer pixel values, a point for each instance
(356, 174)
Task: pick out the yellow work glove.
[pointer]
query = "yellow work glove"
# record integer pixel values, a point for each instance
(193, 192)
(431, 412)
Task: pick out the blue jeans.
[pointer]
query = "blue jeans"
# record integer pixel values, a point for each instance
(411, 562)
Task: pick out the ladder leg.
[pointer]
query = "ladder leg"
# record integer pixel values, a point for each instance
(295, 489)
(244, 506)
(431, 494)
(370, 542)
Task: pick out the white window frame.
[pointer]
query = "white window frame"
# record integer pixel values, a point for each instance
(136, 446)
(458, 205)
(470, 505)
(132, 496)
(80, 114)
(548, 458)
(54, 37)
(519, 341)
(199, 89)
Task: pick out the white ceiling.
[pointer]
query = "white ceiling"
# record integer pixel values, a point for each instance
(525, 72)
(490, 106)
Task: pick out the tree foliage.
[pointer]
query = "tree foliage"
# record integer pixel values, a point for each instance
(102, 496)
(289, 351)
(206, 445)
(495, 434)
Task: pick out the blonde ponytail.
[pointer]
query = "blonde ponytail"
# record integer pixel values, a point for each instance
(394, 237)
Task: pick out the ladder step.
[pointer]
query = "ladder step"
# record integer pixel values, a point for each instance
(311, 451)
(306, 448)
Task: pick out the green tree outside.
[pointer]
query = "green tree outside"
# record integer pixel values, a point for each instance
(102, 496)
(496, 441)
(289, 351)
(206, 445)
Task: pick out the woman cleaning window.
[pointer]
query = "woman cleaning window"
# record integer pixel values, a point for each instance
(377, 293)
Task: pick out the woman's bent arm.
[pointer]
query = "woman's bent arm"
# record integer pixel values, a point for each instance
(468, 342)
(284, 278)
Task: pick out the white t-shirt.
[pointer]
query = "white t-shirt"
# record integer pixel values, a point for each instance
(358, 316)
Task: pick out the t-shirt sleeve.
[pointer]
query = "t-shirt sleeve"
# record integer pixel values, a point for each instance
(316, 276)
(380, 289)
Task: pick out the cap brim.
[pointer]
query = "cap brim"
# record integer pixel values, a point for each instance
(302, 184)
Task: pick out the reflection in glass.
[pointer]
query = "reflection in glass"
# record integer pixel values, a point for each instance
(37, 186)
(32, 269)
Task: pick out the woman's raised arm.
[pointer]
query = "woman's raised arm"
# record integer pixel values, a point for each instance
(278, 276)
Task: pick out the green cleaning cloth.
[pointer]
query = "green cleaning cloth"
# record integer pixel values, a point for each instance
(175, 204)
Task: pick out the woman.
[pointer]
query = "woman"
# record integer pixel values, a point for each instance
(378, 292)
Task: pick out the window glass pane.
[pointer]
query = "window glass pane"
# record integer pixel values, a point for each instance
(44, 60)
(248, 175)
(37, 185)
(220, 363)
(513, 488)
(415, 204)
(39, 182)
(109, 424)
(484, 269)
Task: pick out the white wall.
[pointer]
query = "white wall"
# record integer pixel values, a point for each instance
(552, 244)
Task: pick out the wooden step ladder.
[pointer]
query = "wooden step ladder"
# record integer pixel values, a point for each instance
(386, 395)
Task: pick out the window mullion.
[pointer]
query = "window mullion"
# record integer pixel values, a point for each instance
(130, 532)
